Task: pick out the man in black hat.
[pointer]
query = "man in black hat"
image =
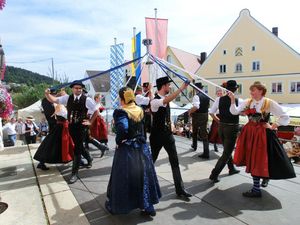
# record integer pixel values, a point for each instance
(228, 129)
(199, 113)
(77, 105)
(143, 99)
(161, 133)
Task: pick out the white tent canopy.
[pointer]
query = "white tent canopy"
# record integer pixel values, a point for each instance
(34, 110)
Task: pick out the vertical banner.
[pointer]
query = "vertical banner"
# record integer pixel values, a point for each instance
(136, 53)
(117, 77)
(157, 30)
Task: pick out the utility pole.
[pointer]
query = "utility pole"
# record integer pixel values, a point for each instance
(52, 66)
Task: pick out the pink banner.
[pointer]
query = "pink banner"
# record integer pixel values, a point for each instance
(159, 41)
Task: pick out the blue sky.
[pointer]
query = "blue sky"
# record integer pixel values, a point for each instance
(78, 34)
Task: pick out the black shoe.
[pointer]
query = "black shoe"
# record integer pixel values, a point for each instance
(214, 179)
(202, 156)
(73, 178)
(216, 148)
(252, 194)
(232, 172)
(265, 182)
(90, 164)
(148, 213)
(42, 166)
(193, 148)
(183, 193)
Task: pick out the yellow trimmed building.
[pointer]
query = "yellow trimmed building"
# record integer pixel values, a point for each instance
(249, 52)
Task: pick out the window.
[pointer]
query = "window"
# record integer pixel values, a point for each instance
(238, 68)
(295, 87)
(205, 89)
(191, 94)
(224, 52)
(276, 87)
(256, 66)
(239, 51)
(253, 48)
(178, 98)
(239, 91)
(222, 68)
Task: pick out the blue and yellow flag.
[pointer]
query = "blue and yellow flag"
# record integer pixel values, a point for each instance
(136, 53)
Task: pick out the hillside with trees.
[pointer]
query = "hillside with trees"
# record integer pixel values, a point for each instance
(22, 76)
(26, 87)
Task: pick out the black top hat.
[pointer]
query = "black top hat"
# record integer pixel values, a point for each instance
(77, 82)
(53, 91)
(231, 84)
(146, 84)
(199, 85)
(162, 81)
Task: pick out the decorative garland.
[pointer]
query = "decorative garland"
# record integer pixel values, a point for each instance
(6, 106)
(2, 4)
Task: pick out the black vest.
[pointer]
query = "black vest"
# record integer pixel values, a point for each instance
(77, 111)
(204, 103)
(161, 118)
(225, 115)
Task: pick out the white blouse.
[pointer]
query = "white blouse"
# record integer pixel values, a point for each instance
(282, 118)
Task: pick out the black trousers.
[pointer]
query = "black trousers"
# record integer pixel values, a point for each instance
(228, 134)
(30, 139)
(77, 132)
(199, 125)
(159, 139)
(147, 124)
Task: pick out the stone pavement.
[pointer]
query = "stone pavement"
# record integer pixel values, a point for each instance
(221, 203)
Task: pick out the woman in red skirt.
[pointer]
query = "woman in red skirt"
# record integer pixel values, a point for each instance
(213, 136)
(258, 147)
(98, 128)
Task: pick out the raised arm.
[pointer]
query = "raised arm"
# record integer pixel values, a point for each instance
(172, 96)
(50, 97)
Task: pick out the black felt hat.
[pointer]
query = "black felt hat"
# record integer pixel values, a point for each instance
(146, 84)
(162, 81)
(199, 85)
(77, 82)
(231, 84)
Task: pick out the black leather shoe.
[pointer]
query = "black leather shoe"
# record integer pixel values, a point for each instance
(73, 179)
(265, 182)
(193, 148)
(183, 193)
(150, 213)
(214, 178)
(202, 156)
(89, 165)
(42, 166)
(234, 171)
(252, 194)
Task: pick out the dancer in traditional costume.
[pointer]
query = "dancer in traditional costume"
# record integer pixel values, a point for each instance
(99, 129)
(58, 146)
(77, 105)
(133, 183)
(161, 131)
(258, 147)
(228, 126)
(213, 136)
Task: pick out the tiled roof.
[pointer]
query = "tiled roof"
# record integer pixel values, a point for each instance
(189, 61)
(100, 83)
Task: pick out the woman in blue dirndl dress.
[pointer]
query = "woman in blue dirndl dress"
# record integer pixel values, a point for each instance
(133, 182)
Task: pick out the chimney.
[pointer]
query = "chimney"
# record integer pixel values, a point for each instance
(275, 31)
(202, 57)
